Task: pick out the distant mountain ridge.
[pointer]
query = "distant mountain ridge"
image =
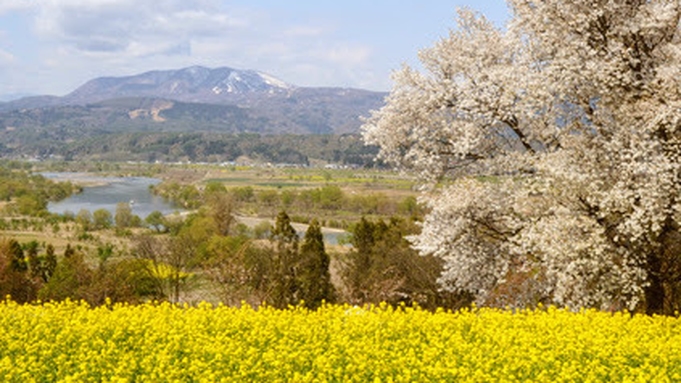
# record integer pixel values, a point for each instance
(193, 84)
(265, 104)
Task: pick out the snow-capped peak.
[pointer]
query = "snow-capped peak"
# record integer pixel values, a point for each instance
(273, 81)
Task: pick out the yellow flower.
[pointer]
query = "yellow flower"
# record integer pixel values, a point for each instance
(70, 341)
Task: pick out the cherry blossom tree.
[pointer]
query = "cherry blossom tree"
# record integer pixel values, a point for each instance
(551, 148)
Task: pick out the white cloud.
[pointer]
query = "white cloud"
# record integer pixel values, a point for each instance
(123, 26)
(82, 39)
(16, 5)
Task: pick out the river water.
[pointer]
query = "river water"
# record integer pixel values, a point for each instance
(107, 192)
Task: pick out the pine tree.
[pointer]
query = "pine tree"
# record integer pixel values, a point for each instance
(358, 262)
(284, 286)
(69, 251)
(31, 249)
(313, 276)
(50, 263)
(72, 278)
(14, 278)
(18, 259)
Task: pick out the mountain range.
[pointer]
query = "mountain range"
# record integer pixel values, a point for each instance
(193, 99)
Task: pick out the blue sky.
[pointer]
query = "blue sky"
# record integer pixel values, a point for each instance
(54, 46)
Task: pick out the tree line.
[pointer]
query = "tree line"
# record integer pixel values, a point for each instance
(345, 149)
(327, 203)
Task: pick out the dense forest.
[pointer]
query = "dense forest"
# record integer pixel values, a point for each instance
(347, 149)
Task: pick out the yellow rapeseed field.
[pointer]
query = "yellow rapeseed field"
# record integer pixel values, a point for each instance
(72, 342)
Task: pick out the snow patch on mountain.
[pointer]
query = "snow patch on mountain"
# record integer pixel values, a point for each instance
(273, 81)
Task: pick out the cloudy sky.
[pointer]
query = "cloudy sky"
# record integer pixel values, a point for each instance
(54, 46)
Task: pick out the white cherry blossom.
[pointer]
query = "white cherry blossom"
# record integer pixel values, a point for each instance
(553, 151)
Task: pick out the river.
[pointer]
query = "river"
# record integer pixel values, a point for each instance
(107, 192)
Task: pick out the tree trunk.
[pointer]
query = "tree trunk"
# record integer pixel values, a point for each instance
(654, 292)
(664, 272)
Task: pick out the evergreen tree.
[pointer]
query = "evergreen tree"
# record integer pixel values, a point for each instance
(358, 263)
(313, 276)
(49, 263)
(17, 253)
(72, 278)
(381, 267)
(363, 236)
(69, 251)
(284, 287)
(34, 263)
(14, 279)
